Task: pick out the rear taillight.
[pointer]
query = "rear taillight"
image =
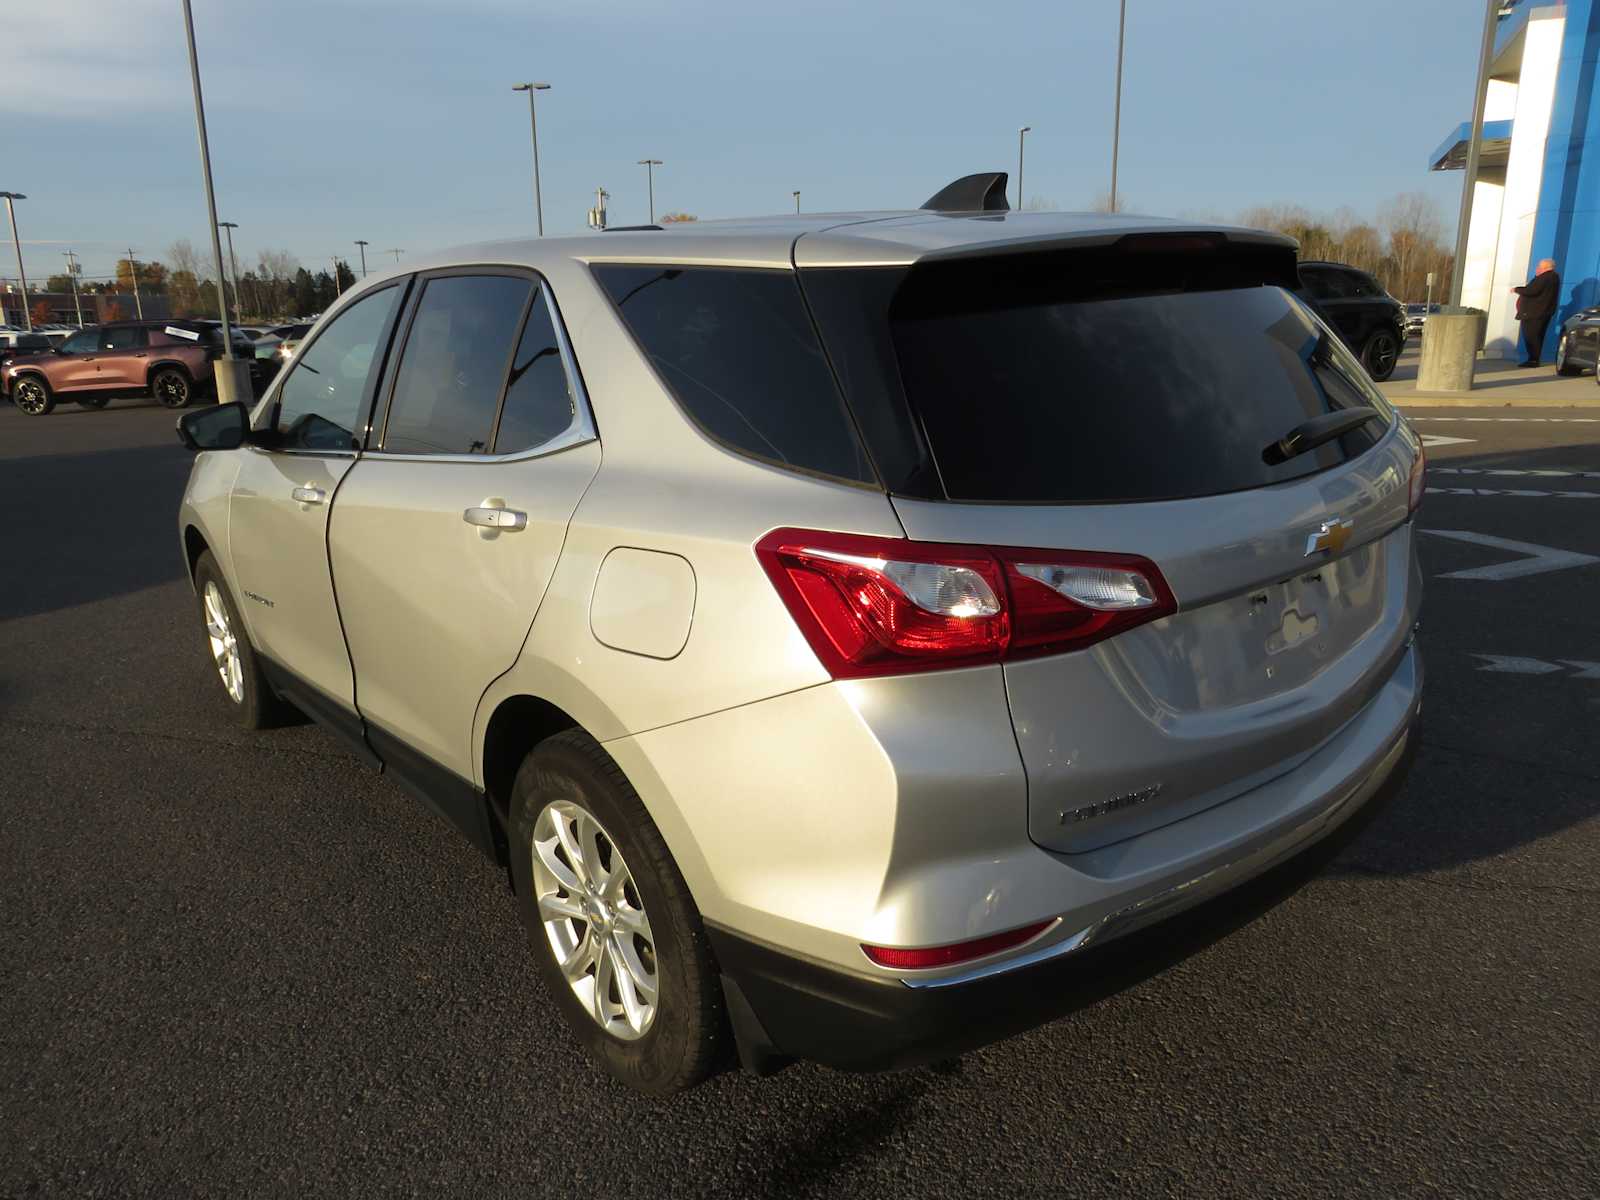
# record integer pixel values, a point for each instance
(1419, 474)
(887, 606)
(920, 958)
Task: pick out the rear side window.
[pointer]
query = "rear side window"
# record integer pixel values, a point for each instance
(1031, 391)
(123, 337)
(737, 350)
(539, 404)
(454, 365)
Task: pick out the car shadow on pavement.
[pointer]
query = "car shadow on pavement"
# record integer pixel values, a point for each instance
(85, 527)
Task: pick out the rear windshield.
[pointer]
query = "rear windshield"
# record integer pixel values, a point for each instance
(1027, 391)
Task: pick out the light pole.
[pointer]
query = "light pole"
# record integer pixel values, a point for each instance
(233, 379)
(1116, 117)
(797, 202)
(363, 246)
(233, 263)
(1021, 136)
(338, 290)
(138, 301)
(72, 274)
(27, 317)
(650, 165)
(533, 122)
(397, 252)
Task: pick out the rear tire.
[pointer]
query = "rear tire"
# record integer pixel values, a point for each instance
(172, 388)
(232, 656)
(619, 913)
(32, 395)
(1380, 354)
(1563, 367)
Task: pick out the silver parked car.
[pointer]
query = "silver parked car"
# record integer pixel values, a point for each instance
(830, 620)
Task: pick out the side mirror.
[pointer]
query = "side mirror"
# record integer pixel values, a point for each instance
(218, 427)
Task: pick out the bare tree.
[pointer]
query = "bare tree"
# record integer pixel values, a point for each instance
(1041, 204)
(1102, 203)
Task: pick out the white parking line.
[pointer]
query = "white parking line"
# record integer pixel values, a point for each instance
(1431, 440)
(1540, 472)
(1537, 560)
(1518, 420)
(1512, 664)
(1523, 493)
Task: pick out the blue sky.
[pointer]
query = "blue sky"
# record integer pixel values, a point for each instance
(393, 120)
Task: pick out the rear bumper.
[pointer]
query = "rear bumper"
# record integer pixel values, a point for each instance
(784, 1007)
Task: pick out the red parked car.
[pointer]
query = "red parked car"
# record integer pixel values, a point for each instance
(170, 361)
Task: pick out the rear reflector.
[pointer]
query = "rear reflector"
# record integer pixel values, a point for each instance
(887, 606)
(923, 957)
(1419, 476)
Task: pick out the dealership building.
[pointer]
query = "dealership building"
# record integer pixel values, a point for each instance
(1538, 189)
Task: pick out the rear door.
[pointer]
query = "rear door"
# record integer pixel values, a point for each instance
(1076, 404)
(123, 355)
(447, 531)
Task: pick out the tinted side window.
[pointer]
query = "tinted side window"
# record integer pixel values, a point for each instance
(32, 341)
(737, 350)
(86, 342)
(319, 405)
(539, 402)
(1361, 284)
(453, 367)
(125, 337)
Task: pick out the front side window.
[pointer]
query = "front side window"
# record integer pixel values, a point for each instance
(539, 404)
(737, 350)
(319, 404)
(86, 342)
(453, 367)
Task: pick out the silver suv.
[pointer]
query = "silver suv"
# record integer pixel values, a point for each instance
(827, 621)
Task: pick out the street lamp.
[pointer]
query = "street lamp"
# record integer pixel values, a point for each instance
(1116, 119)
(1021, 134)
(363, 246)
(233, 380)
(11, 212)
(533, 122)
(797, 201)
(238, 312)
(650, 165)
(397, 251)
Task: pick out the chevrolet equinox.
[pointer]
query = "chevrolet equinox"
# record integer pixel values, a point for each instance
(829, 621)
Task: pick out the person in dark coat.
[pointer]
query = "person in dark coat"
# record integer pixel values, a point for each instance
(1536, 304)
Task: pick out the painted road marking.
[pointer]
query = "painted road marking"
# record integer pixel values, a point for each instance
(1538, 560)
(1540, 472)
(1512, 664)
(1438, 439)
(1519, 420)
(1521, 492)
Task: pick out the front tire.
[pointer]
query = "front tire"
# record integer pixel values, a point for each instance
(32, 395)
(172, 388)
(617, 938)
(1380, 354)
(232, 656)
(1564, 367)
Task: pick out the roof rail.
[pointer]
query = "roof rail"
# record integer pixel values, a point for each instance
(983, 192)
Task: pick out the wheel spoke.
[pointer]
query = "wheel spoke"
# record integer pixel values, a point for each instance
(577, 963)
(639, 979)
(604, 971)
(559, 908)
(580, 869)
(546, 850)
(628, 991)
(589, 848)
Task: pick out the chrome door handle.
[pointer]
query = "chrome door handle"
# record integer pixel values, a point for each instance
(309, 495)
(501, 520)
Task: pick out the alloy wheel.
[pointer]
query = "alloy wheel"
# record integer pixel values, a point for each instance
(594, 920)
(172, 389)
(1382, 354)
(224, 644)
(30, 396)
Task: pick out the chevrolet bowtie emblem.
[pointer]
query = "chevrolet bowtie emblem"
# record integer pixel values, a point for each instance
(1330, 537)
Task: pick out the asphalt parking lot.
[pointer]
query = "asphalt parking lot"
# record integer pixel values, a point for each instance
(243, 964)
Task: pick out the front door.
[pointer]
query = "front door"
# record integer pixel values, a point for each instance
(122, 357)
(445, 536)
(287, 487)
(81, 361)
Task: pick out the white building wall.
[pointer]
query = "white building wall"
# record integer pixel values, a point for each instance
(1524, 171)
(1500, 101)
(1483, 243)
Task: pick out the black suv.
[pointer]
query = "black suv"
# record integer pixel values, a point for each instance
(1371, 322)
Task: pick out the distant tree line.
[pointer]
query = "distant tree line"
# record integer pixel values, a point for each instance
(276, 285)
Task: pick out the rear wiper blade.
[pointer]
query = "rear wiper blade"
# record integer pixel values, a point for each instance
(1308, 435)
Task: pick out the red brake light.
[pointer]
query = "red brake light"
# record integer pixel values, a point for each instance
(887, 606)
(923, 957)
(1419, 476)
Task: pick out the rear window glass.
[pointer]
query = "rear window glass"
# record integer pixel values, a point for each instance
(1030, 393)
(738, 352)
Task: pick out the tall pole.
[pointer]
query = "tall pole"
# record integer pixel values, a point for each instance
(397, 252)
(1021, 134)
(11, 212)
(72, 274)
(533, 124)
(650, 165)
(1116, 114)
(238, 312)
(1469, 182)
(797, 202)
(205, 171)
(133, 273)
(337, 289)
(363, 246)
